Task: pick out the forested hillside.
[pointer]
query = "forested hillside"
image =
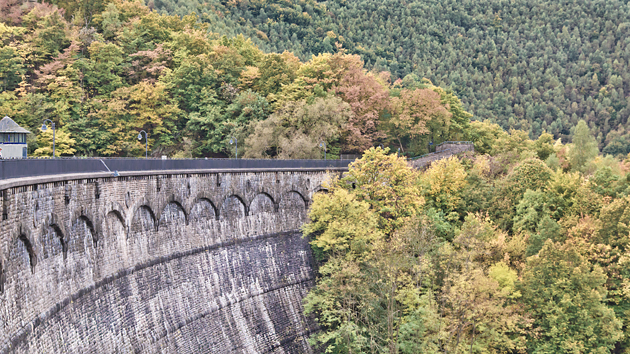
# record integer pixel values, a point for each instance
(536, 65)
(103, 71)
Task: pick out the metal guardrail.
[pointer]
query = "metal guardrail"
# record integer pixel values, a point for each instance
(17, 168)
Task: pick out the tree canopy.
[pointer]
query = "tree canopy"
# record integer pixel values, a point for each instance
(103, 71)
(533, 65)
(502, 251)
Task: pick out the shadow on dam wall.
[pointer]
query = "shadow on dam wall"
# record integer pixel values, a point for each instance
(187, 263)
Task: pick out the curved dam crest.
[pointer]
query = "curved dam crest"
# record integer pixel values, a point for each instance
(160, 263)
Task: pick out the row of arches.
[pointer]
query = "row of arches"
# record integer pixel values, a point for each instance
(55, 240)
(234, 206)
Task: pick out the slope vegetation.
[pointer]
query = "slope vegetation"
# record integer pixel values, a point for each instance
(533, 65)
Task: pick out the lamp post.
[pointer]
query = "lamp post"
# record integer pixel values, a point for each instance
(44, 128)
(323, 144)
(146, 142)
(232, 141)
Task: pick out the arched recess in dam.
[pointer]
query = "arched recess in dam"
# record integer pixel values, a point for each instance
(195, 263)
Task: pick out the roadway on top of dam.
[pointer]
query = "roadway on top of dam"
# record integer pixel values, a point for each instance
(17, 172)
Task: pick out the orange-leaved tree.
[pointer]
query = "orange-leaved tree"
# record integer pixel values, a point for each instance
(368, 98)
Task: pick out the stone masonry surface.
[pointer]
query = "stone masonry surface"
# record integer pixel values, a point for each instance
(157, 263)
(442, 152)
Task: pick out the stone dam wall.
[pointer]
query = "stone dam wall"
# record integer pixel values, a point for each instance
(172, 263)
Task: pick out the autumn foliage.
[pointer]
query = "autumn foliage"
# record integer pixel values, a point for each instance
(104, 70)
(488, 253)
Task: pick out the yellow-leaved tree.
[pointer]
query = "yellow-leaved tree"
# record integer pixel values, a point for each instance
(64, 143)
(388, 184)
(131, 109)
(443, 185)
(369, 267)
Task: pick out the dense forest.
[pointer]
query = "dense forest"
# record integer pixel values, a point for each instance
(103, 71)
(533, 65)
(521, 249)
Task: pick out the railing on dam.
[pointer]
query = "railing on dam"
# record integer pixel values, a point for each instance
(20, 168)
